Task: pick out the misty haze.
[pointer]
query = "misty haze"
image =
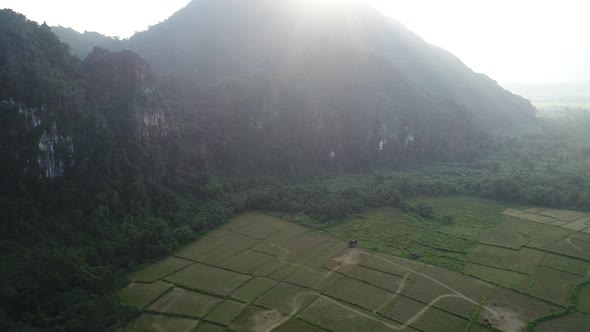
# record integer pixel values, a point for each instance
(294, 165)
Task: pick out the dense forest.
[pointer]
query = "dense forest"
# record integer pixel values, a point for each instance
(107, 165)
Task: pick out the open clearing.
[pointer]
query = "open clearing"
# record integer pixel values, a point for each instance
(280, 276)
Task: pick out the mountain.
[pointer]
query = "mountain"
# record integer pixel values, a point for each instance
(286, 39)
(107, 164)
(563, 92)
(81, 44)
(86, 149)
(54, 105)
(280, 84)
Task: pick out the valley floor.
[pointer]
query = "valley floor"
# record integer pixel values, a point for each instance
(496, 267)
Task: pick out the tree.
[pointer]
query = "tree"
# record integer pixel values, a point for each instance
(424, 209)
(448, 219)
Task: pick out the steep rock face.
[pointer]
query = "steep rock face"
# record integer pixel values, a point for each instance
(53, 108)
(123, 86)
(39, 96)
(325, 84)
(278, 84)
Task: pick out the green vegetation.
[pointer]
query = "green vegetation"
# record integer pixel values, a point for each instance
(149, 322)
(140, 295)
(184, 302)
(567, 264)
(572, 322)
(524, 260)
(104, 173)
(225, 312)
(159, 269)
(253, 288)
(321, 284)
(208, 279)
(553, 285)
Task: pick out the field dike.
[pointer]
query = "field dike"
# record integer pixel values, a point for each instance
(314, 279)
(503, 318)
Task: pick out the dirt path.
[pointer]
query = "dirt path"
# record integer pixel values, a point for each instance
(352, 258)
(581, 250)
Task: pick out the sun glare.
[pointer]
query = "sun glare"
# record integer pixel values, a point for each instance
(327, 4)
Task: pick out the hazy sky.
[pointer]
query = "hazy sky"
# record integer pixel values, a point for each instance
(510, 40)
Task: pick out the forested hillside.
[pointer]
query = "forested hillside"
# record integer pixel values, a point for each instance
(344, 87)
(88, 159)
(107, 164)
(81, 44)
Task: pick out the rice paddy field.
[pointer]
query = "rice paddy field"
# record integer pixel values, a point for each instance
(496, 268)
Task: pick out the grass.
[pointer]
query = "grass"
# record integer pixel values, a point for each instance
(208, 279)
(217, 246)
(425, 290)
(553, 285)
(567, 215)
(256, 270)
(246, 261)
(253, 288)
(404, 308)
(315, 278)
(286, 298)
(471, 214)
(332, 316)
(524, 260)
(528, 308)
(184, 302)
(475, 289)
(572, 265)
(584, 299)
(208, 327)
(139, 294)
(225, 312)
(581, 249)
(256, 225)
(150, 322)
(437, 320)
(578, 225)
(503, 278)
(391, 231)
(508, 233)
(381, 279)
(529, 216)
(573, 322)
(383, 262)
(547, 235)
(255, 318)
(360, 293)
(159, 269)
(297, 325)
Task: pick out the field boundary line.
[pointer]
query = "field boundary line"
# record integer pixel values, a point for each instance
(395, 295)
(182, 268)
(441, 249)
(222, 268)
(569, 241)
(559, 253)
(378, 270)
(562, 270)
(168, 290)
(500, 268)
(533, 279)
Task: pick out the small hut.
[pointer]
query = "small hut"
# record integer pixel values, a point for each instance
(353, 244)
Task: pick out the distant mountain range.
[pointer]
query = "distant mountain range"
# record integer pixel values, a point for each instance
(562, 92)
